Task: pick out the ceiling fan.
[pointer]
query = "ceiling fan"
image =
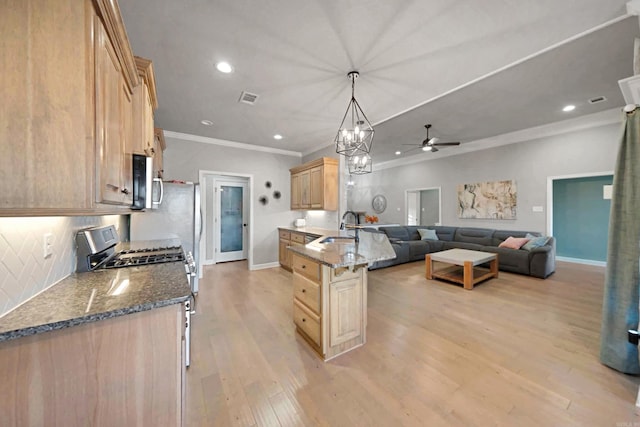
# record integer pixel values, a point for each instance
(432, 144)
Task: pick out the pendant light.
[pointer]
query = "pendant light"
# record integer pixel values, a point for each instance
(355, 134)
(359, 164)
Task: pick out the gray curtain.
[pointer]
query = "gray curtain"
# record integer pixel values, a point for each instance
(622, 279)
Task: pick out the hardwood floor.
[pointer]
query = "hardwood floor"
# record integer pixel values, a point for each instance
(514, 351)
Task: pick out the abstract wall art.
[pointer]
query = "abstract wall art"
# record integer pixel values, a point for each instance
(488, 200)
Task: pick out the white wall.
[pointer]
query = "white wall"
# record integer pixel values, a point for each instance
(183, 159)
(24, 271)
(529, 163)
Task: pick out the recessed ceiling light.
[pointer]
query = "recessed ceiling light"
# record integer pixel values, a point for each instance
(277, 136)
(568, 108)
(224, 67)
(398, 153)
(206, 122)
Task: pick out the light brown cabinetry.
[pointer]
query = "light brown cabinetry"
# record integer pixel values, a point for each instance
(288, 238)
(113, 123)
(66, 120)
(329, 305)
(145, 101)
(157, 151)
(314, 185)
(123, 371)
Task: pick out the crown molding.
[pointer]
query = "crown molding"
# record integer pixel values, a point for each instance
(232, 144)
(589, 121)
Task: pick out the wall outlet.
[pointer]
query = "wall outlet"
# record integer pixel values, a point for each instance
(47, 245)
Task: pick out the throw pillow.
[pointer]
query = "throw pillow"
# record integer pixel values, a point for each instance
(513, 242)
(426, 234)
(535, 242)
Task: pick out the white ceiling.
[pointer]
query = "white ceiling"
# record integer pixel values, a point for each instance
(472, 69)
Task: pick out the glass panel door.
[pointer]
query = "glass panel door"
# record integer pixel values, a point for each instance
(231, 220)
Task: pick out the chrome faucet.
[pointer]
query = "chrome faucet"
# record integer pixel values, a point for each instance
(356, 225)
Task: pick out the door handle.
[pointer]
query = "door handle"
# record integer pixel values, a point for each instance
(244, 225)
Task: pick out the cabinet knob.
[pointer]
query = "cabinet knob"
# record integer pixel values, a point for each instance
(125, 191)
(304, 291)
(304, 266)
(304, 320)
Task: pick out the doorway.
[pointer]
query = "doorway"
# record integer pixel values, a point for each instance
(423, 206)
(226, 206)
(579, 217)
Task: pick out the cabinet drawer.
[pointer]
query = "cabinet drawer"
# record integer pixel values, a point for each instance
(297, 237)
(284, 234)
(343, 273)
(306, 320)
(306, 267)
(307, 292)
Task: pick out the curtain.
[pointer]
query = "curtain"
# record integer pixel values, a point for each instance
(622, 278)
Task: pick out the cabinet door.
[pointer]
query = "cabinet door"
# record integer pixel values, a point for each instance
(295, 191)
(316, 188)
(46, 147)
(283, 254)
(126, 162)
(142, 139)
(109, 112)
(345, 311)
(158, 152)
(305, 196)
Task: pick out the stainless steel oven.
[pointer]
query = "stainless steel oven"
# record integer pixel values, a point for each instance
(95, 249)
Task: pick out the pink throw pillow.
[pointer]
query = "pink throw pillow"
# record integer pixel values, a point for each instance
(513, 242)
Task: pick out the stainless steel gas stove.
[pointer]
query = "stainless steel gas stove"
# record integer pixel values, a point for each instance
(95, 250)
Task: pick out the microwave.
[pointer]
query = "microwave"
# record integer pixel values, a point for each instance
(147, 190)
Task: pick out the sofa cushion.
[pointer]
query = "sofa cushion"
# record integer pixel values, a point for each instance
(500, 236)
(396, 232)
(514, 261)
(426, 234)
(444, 233)
(462, 245)
(535, 242)
(514, 242)
(480, 236)
(412, 231)
(418, 249)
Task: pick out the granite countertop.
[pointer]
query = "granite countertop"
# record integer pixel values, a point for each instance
(315, 231)
(97, 295)
(345, 252)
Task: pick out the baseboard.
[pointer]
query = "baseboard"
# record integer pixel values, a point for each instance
(581, 261)
(264, 266)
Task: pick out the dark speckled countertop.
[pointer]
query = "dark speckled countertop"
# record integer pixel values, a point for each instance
(97, 295)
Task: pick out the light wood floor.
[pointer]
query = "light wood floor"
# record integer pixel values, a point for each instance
(515, 351)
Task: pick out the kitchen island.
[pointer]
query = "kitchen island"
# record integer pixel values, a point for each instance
(97, 348)
(330, 289)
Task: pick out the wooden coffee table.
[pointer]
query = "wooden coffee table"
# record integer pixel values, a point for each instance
(464, 266)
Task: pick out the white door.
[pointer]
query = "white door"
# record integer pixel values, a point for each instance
(232, 213)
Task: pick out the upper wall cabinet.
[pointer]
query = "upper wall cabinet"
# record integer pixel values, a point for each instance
(314, 185)
(67, 77)
(157, 151)
(145, 101)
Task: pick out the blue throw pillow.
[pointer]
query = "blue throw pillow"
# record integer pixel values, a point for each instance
(426, 234)
(535, 242)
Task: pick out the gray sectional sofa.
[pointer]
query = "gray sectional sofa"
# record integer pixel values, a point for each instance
(537, 262)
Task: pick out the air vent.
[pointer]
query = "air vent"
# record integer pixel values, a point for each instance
(248, 98)
(597, 99)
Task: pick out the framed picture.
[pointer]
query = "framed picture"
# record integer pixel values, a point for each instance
(488, 200)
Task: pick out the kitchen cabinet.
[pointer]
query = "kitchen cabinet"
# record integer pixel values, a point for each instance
(288, 238)
(65, 120)
(145, 101)
(122, 371)
(159, 145)
(314, 185)
(329, 305)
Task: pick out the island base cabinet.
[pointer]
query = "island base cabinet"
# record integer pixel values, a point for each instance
(329, 306)
(126, 370)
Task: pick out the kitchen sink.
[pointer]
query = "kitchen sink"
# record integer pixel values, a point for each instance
(338, 239)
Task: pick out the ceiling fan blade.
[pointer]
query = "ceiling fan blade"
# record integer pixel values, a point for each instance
(414, 145)
(445, 143)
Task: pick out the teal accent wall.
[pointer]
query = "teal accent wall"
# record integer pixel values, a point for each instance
(581, 217)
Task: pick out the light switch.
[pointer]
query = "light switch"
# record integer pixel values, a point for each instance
(47, 245)
(537, 209)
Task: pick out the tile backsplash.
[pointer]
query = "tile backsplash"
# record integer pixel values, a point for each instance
(24, 271)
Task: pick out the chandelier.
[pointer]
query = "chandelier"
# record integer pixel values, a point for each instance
(359, 164)
(355, 134)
